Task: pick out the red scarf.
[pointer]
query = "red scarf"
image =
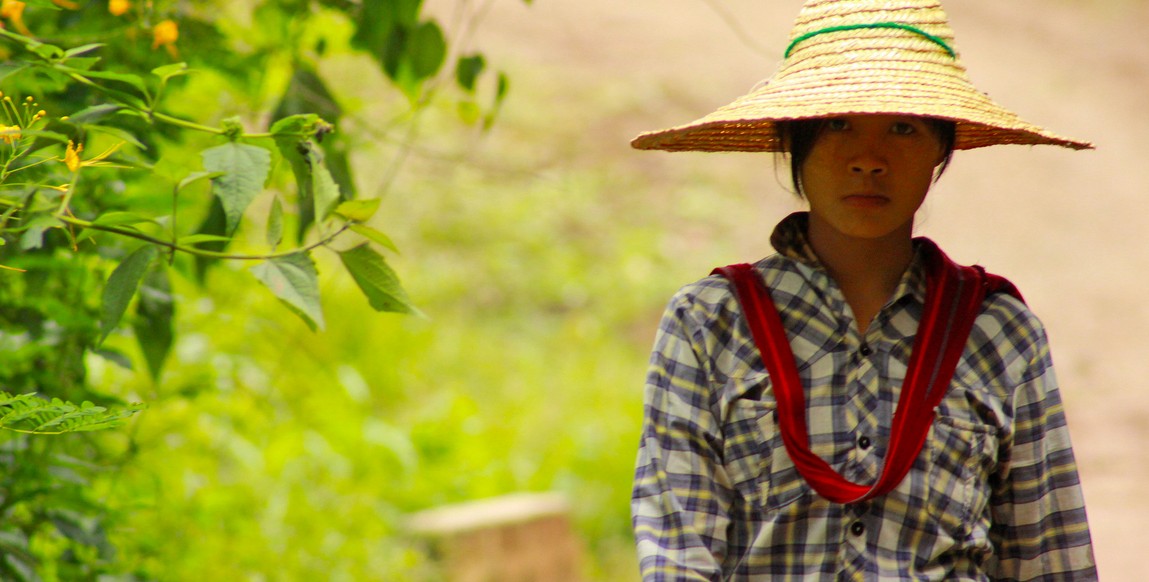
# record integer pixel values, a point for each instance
(954, 295)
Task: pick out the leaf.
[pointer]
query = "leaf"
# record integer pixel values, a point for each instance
(83, 63)
(47, 52)
(378, 19)
(194, 177)
(65, 73)
(28, 413)
(275, 223)
(427, 50)
(467, 69)
(324, 187)
(168, 71)
(295, 127)
(153, 326)
(294, 281)
(93, 113)
(376, 280)
(72, 52)
(318, 191)
(118, 134)
(308, 94)
(500, 95)
(195, 239)
(501, 92)
(114, 356)
(375, 236)
(33, 237)
(291, 136)
(121, 219)
(243, 171)
(122, 286)
(126, 78)
(358, 210)
(336, 161)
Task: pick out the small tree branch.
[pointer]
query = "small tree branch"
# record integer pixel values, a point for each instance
(201, 252)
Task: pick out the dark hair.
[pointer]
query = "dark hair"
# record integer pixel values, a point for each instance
(799, 135)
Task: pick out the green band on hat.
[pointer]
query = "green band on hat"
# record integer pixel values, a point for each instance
(897, 25)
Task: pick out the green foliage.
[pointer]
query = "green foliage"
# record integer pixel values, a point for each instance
(241, 171)
(376, 279)
(149, 151)
(122, 286)
(27, 413)
(294, 280)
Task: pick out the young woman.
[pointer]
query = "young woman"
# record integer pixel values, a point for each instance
(856, 406)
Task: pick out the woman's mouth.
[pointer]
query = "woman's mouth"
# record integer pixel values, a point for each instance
(866, 200)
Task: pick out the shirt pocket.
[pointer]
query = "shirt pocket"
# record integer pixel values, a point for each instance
(755, 458)
(962, 454)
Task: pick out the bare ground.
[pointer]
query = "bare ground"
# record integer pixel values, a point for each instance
(1067, 227)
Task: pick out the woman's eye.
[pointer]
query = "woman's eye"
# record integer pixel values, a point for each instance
(903, 128)
(837, 125)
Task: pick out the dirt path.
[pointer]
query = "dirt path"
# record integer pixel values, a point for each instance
(1066, 227)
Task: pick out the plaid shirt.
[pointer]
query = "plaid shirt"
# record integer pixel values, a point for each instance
(993, 495)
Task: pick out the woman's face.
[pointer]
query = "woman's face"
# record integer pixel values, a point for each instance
(867, 175)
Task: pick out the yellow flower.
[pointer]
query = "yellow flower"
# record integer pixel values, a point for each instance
(9, 133)
(13, 11)
(165, 34)
(118, 7)
(72, 156)
(74, 162)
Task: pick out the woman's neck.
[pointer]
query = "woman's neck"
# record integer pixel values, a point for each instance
(867, 270)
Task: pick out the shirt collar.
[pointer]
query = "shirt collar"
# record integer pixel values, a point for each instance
(790, 240)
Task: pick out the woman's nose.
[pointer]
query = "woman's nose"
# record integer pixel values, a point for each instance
(868, 165)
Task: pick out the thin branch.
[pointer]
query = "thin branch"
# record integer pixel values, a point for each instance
(201, 252)
(732, 22)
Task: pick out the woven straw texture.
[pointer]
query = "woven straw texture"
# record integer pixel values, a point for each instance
(866, 70)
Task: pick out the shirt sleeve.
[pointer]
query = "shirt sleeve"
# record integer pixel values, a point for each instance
(1039, 527)
(681, 498)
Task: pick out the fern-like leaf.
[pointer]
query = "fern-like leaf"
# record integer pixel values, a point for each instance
(31, 414)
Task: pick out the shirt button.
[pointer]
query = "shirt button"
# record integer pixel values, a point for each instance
(858, 528)
(864, 442)
(865, 350)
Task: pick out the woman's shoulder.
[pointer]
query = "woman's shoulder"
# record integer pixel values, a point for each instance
(1009, 329)
(1005, 308)
(713, 294)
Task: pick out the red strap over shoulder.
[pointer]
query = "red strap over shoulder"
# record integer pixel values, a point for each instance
(954, 295)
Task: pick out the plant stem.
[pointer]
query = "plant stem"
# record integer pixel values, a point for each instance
(201, 252)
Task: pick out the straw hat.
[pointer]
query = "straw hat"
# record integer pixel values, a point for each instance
(860, 56)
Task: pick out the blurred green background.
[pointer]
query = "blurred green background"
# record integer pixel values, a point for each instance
(542, 265)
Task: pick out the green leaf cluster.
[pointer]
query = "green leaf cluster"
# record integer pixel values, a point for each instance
(139, 168)
(30, 414)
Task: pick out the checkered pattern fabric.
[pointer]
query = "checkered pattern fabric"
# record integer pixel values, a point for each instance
(994, 494)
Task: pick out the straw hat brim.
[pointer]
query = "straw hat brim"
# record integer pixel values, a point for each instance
(750, 124)
(860, 57)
